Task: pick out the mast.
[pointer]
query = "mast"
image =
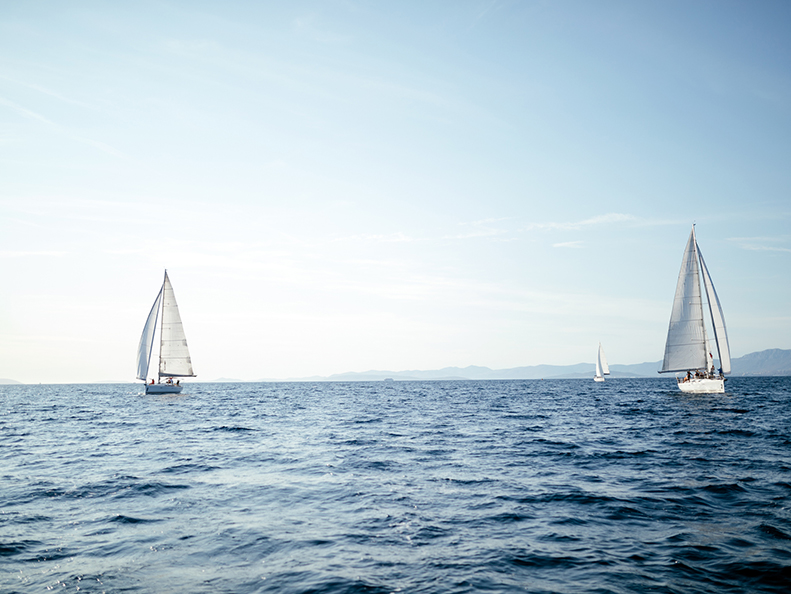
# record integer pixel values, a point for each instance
(706, 343)
(162, 324)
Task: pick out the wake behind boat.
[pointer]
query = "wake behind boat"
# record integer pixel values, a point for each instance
(602, 368)
(687, 348)
(174, 356)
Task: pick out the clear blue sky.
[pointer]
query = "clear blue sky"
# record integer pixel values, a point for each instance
(343, 186)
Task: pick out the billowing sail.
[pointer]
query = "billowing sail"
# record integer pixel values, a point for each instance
(147, 340)
(686, 336)
(601, 364)
(718, 320)
(174, 356)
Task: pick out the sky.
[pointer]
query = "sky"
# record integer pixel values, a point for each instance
(343, 186)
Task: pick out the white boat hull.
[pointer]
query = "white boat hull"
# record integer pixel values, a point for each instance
(706, 385)
(163, 389)
(598, 378)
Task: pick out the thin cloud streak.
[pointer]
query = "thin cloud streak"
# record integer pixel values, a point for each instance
(759, 244)
(606, 219)
(63, 130)
(377, 238)
(27, 113)
(48, 92)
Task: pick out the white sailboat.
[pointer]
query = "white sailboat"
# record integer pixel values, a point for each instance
(688, 349)
(602, 368)
(174, 356)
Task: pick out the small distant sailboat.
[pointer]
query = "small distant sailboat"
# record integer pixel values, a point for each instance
(687, 348)
(602, 368)
(174, 356)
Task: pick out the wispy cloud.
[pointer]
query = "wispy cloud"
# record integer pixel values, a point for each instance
(485, 221)
(477, 233)
(26, 112)
(40, 118)
(763, 244)
(377, 238)
(606, 219)
(46, 91)
(479, 228)
(568, 244)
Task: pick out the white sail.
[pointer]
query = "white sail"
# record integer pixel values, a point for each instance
(598, 368)
(686, 336)
(718, 320)
(601, 364)
(147, 340)
(174, 356)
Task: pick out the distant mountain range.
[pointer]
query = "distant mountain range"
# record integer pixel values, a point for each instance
(769, 362)
(772, 362)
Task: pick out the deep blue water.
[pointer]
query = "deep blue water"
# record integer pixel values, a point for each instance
(481, 486)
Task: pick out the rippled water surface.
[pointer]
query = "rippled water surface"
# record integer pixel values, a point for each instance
(512, 486)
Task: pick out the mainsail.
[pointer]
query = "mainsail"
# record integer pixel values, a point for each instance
(174, 356)
(147, 340)
(687, 344)
(686, 339)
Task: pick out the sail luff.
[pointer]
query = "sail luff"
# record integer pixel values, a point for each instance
(598, 367)
(146, 345)
(174, 356)
(717, 318)
(685, 348)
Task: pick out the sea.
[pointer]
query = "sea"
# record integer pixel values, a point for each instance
(541, 486)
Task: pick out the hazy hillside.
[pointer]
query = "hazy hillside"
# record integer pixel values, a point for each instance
(769, 362)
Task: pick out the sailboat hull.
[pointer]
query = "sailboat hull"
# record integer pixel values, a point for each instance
(163, 389)
(598, 378)
(702, 385)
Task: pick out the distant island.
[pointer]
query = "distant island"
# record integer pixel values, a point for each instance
(771, 362)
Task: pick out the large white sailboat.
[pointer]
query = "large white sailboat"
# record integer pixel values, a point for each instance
(688, 348)
(174, 356)
(602, 368)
